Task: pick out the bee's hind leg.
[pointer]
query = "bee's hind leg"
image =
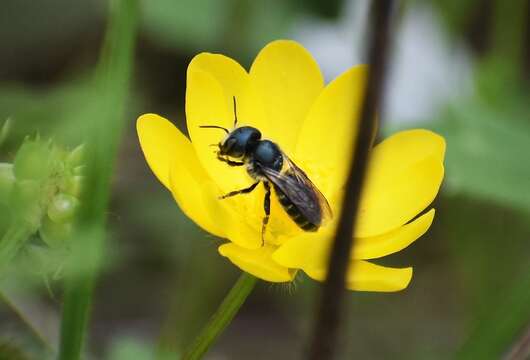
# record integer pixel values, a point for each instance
(267, 208)
(242, 191)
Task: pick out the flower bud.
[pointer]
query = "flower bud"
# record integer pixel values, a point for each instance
(72, 185)
(54, 234)
(62, 208)
(33, 161)
(7, 180)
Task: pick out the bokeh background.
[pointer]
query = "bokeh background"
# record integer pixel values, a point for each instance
(460, 68)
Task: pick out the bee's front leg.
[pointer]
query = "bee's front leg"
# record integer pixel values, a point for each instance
(230, 162)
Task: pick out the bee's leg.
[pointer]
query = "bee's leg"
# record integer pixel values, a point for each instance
(267, 208)
(230, 162)
(242, 191)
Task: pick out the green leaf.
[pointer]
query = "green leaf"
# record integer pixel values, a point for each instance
(506, 318)
(170, 22)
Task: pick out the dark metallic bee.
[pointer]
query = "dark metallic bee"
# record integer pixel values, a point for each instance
(266, 163)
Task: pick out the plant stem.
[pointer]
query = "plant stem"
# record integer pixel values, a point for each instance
(222, 317)
(521, 348)
(328, 317)
(104, 123)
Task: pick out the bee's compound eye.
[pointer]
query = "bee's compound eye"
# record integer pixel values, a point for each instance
(227, 147)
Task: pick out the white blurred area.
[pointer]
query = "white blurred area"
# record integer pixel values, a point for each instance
(427, 68)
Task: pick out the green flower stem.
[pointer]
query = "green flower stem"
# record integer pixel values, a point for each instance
(102, 127)
(222, 317)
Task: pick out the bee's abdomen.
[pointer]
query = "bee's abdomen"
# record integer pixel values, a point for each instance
(294, 213)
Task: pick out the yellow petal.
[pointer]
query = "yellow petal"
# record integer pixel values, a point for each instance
(310, 250)
(257, 262)
(307, 250)
(206, 104)
(288, 80)
(365, 276)
(393, 241)
(325, 141)
(234, 81)
(197, 195)
(404, 176)
(172, 158)
(407, 147)
(156, 136)
(245, 232)
(212, 82)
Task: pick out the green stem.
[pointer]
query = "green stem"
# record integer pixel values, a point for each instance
(104, 125)
(222, 317)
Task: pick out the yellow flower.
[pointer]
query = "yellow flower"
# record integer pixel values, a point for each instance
(283, 95)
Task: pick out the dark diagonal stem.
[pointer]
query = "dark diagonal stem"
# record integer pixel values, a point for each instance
(324, 338)
(521, 348)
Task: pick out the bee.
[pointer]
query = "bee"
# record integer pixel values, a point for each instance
(266, 163)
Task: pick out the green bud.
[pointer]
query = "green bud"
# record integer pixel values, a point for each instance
(33, 161)
(4, 130)
(7, 181)
(25, 201)
(75, 157)
(72, 185)
(55, 234)
(62, 208)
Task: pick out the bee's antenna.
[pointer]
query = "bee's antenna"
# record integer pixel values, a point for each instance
(214, 127)
(235, 111)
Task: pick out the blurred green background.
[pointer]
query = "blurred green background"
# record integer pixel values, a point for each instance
(459, 68)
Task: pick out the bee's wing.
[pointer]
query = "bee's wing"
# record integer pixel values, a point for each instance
(302, 177)
(295, 184)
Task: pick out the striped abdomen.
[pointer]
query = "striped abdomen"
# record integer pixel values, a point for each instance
(294, 213)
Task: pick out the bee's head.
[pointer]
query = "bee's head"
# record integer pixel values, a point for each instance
(239, 142)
